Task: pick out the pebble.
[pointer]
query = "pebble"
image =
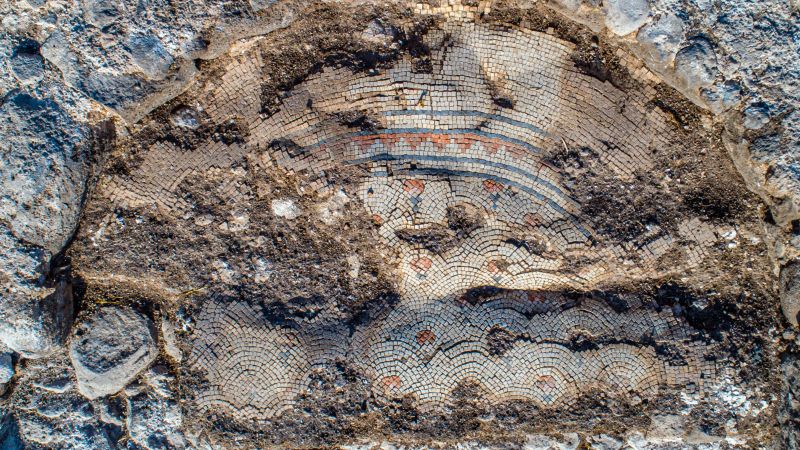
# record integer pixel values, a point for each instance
(285, 208)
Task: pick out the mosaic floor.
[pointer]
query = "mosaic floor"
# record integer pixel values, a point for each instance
(256, 369)
(457, 181)
(442, 140)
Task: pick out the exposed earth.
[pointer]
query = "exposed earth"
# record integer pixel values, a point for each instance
(495, 224)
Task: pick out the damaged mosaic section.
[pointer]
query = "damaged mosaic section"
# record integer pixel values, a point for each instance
(541, 348)
(441, 139)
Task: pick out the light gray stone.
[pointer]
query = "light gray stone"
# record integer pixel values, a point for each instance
(26, 62)
(662, 37)
(150, 55)
(43, 176)
(569, 5)
(110, 348)
(6, 367)
(790, 291)
(36, 327)
(605, 442)
(259, 5)
(102, 13)
(170, 341)
(625, 16)
(154, 417)
(379, 33)
(756, 116)
(285, 208)
(567, 441)
(185, 117)
(51, 414)
(723, 96)
(696, 63)
(43, 171)
(6, 371)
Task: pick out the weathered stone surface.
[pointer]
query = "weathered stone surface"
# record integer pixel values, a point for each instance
(22, 267)
(26, 62)
(285, 208)
(570, 5)
(34, 326)
(126, 55)
(43, 177)
(170, 341)
(722, 97)
(789, 413)
(185, 117)
(662, 37)
(790, 292)
(625, 16)
(6, 367)
(149, 54)
(6, 371)
(569, 441)
(109, 349)
(50, 413)
(756, 116)
(154, 416)
(696, 63)
(43, 171)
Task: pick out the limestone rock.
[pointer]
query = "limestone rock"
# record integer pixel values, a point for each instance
(569, 5)
(379, 33)
(153, 421)
(790, 291)
(756, 116)
(332, 209)
(102, 13)
(185, 117)
(722, 97)
(625, 16)
(43, 172)
(662, 37)
(6, 370)
(149, 53)
(567, 441)
(259, 5)
(43, 177)
(154, 417)
(23, 267)
(109, 349)
(26, 62)
(6, 367)
(170, 341)
(605, 442)
(50, 413)
(789, 412)
(285, 208)
(696, 63)
(36, 327)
